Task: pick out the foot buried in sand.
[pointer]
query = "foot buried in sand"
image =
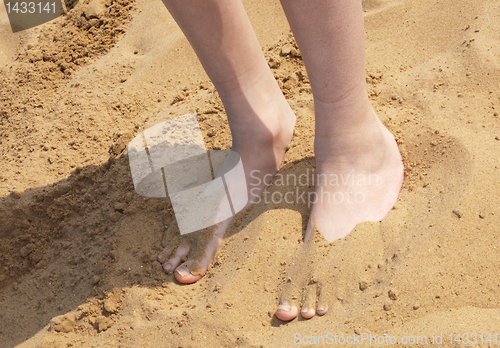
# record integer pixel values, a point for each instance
(357, 184)
(261, 146)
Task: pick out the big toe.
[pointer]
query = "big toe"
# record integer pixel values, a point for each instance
(286, 312)
(184, 276)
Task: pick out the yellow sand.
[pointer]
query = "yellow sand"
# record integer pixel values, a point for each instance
(78, 245)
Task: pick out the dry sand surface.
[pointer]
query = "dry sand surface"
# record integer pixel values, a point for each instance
(78, 246)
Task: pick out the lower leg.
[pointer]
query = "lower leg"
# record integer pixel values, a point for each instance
(349, 138)
(358, 165)
(222, 37)
(259, 117)
(334, 55)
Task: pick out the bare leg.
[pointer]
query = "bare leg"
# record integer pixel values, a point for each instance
(358, 165)
(260, 119)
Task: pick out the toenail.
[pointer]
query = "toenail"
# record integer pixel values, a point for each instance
(167, 267)
(322, 310)
(284, 307)
(183, 271)
(305, 310)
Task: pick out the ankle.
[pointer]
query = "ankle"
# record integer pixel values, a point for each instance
(273, 134)
(339, 119)
(261, 122)
(346, 136)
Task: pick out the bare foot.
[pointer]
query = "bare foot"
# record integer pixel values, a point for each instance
(360, 182)
(358, 178)
(261, 132)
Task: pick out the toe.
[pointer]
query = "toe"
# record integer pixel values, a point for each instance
(322, 310)
(285, 311)
(325, 293)
(176, 260)
(184, 276)
(168, 267)
(307, 313)
(309, 297)
(164, 255)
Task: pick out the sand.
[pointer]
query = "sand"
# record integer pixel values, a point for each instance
(78, 246)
